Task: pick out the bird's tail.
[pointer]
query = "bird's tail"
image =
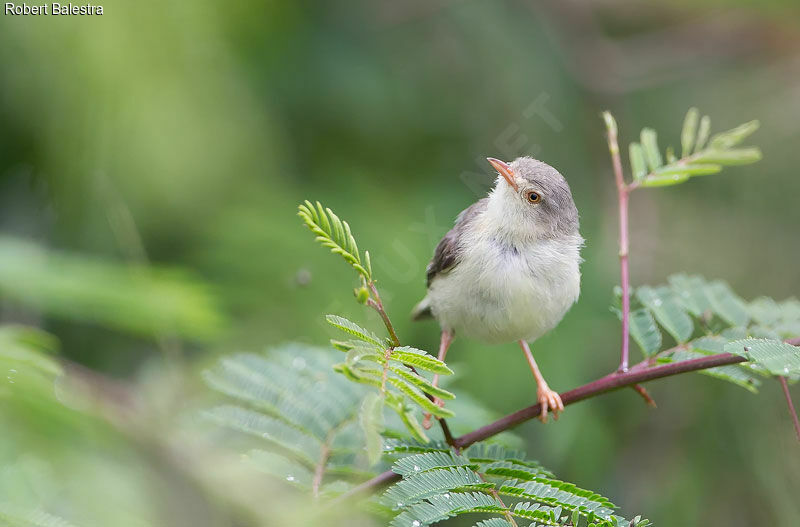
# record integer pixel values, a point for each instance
(422, 310)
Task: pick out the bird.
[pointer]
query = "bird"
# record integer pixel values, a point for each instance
(509, 269)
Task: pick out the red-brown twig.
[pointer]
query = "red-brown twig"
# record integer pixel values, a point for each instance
(608, 383)
(623, 191)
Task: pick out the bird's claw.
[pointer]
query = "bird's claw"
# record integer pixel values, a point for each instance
(426, 420)
(549, 400)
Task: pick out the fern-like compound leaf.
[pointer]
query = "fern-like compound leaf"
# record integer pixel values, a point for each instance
(776, 356)
(353, 329)
(335, 234)
(667, 310)
(420, 382)
(446, 505)
(417, 487)
(697, 157)
(690, 304)
(303, 418)
(421, 360)
(436, 460)
(732, 373)
(419, 398)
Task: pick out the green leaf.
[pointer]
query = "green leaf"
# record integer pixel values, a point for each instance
(638, 163)
(765, 310)
(446, 505)
(371, 421)
(424, 485)
(418, 463)
(513, 470)
(412, 424)
(727, 304)
(493, 522)
(667, 310)
(280, 467)
(143, 300)
(702, 133)
(733, 137)
(652, 154)
(273, 430)
(736, 156)
(422, 383)
(404, 446)
(689, 132)
(420, 399)
(335, 234)
(566, 495)
(353, 329)
(776, 356)
(732, 373)
(664, 181)
(692, 169)
(420, 360)
(645, 332)
(367, 376)
(691, 293)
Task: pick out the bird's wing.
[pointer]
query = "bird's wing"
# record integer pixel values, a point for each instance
(445, 257)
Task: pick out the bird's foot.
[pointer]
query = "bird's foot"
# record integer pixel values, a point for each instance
(550, 400)
(426, 420)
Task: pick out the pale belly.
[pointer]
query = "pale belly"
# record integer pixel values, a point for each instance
(499, 295)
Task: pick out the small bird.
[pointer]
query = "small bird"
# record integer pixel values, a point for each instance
(508, 270)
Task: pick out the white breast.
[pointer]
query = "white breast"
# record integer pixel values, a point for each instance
(498, 293)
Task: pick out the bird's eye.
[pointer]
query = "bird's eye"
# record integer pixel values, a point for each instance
(534, 197)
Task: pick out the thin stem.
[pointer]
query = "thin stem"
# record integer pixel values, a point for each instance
(493, 492)
(319, 470)
(789, 402)
(386, 356)
(622, 197)
(448, 436)
(376, 303)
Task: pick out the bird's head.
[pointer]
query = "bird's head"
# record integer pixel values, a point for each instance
(531, 199)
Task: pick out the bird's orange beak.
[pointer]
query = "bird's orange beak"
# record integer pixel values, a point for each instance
(504, 170)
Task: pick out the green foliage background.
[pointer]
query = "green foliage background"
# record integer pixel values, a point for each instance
(206, 123)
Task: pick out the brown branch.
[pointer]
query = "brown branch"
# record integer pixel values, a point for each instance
(610, 382)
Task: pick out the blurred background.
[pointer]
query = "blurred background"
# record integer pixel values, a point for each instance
(152, 159)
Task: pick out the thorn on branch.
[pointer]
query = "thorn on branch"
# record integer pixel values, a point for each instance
(641, 390)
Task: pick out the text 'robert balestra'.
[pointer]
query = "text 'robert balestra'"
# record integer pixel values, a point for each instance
(52, 9)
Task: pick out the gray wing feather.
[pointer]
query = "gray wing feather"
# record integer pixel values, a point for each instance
(446, 255)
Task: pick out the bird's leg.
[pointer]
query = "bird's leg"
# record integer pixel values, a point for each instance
(444, 345)
(548, 398)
